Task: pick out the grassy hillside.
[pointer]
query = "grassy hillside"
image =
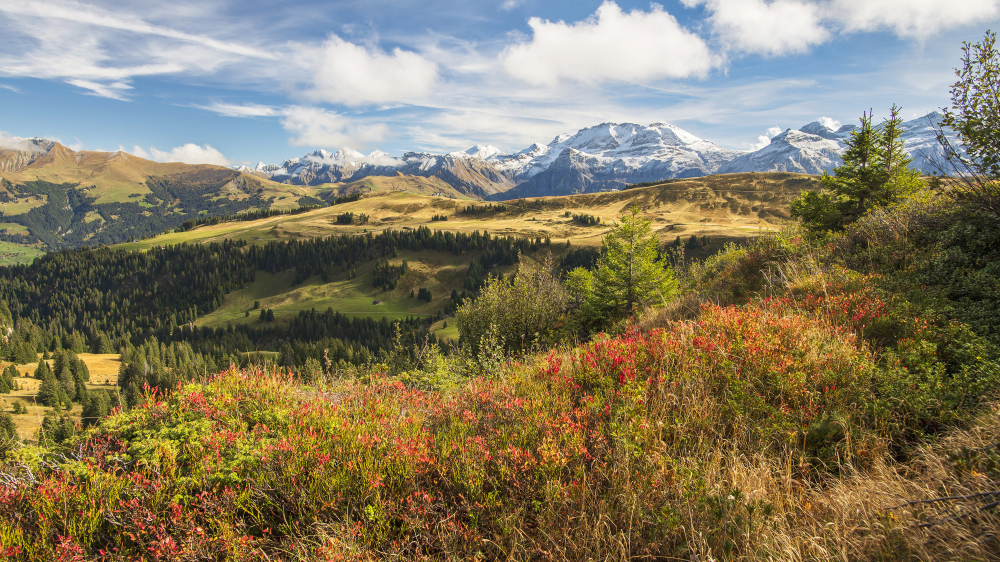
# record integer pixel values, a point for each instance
(734, 205)
(357, 296)
(66, 199)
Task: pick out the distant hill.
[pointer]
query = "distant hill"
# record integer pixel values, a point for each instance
(722, 207)
(52, 197)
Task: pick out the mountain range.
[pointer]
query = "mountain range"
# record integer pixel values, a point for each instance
(603, 157)
(53, 197)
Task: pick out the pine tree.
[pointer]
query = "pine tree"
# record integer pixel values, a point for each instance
(628, 274)
(875, 172)
(42, 370)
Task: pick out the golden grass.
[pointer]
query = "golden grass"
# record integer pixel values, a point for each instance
(103, 375)
(727, 206)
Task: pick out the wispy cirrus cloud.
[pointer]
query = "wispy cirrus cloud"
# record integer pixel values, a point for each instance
(102, 51)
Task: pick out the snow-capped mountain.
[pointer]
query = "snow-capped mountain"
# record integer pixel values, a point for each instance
(816, 148)
(606, 156)
(812, 149)
(611, 155)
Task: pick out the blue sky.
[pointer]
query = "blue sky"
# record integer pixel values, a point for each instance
(237, 82)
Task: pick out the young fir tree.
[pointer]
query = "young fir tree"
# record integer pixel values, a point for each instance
(974, 116)
(875, 172)
(42, 370)
(629, 274)
(6, 382)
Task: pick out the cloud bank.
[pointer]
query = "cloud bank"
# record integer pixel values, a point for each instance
(189, 153)
(311, 126)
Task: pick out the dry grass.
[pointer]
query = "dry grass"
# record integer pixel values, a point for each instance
(733, 206)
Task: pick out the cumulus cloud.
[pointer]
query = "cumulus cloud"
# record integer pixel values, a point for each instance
(765, 139)
(311, 126)
(773, 28)
(355, 75)
(609, 45)
(911, 18)
(829, 123)
(189, 153)
(781, 27)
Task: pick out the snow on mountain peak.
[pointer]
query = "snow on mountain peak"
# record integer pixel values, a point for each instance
(482, 152)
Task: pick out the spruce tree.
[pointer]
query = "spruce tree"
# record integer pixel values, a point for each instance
(50, 394)
(875, 172)
(42, 370)
(628, 274)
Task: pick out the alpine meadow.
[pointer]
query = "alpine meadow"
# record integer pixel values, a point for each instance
(628, 343)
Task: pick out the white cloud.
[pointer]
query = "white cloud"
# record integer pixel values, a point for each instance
(189, 153)
(911, 18)
(101, 50)
(765, 139)
(609, 45)
(241, 110)
(354, 75)
(11, 142)
(511, 4)
(829, 123)
(312, 126)
(777, 27)
(11, 88)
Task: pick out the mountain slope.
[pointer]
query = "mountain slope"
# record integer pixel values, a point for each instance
(53, 197)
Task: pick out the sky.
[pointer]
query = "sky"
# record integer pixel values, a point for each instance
(237, 82)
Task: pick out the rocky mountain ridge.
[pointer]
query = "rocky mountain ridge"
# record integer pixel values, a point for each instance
(604, 157)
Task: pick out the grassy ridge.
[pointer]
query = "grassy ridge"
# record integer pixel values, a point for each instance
(733, 205)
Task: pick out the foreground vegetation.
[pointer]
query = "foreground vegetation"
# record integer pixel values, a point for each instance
(802, 398)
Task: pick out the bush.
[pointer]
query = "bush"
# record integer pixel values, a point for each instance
(522, 312)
